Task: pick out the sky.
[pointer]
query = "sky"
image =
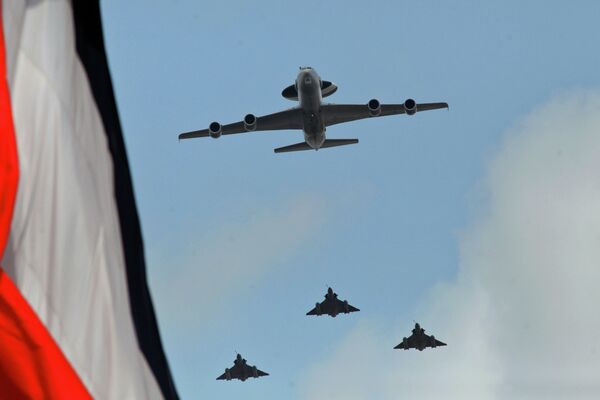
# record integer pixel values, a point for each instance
(481, 222)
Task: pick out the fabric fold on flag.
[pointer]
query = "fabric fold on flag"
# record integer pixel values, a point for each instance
(74, 254)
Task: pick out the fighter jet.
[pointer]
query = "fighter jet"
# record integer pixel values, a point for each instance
(419, 340)
(312, 115)
(332, 306)
(241, 370)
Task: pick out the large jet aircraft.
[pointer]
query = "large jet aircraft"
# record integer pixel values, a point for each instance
(332, 306)
(419, 340)
(241, 370)
(312, 115)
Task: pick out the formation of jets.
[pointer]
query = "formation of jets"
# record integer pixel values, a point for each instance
(313, 117)
(331, 306)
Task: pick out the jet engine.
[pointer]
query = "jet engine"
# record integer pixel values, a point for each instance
(433, 341)
(346, 307)
(318, 308)
(250, 122)
(215, 129)
(227, 374)
(254, 372)
(410, 106)
(404, 343)
(374, 107)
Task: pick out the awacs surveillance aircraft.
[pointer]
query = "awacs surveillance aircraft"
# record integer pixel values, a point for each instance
(419, 340)
(332, 306)
(241, 370)
(312, 115)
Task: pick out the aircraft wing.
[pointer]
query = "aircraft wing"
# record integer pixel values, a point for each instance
(312, 312)
(339, 113)
(411, 343)
(222, 377)
(342, 307)
(325, 309)
(258, 372)
(288, 119)
(235, 372)
(429, 340)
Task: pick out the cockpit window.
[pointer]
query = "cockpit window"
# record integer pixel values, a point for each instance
(308, 80)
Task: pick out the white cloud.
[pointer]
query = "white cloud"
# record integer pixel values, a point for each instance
(218, 264)
(522, 318)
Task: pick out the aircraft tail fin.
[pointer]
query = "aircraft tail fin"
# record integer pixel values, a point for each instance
(304, 146)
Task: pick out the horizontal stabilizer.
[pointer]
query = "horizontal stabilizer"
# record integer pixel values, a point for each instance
(294, 147)
(304, 146)
(338, 142)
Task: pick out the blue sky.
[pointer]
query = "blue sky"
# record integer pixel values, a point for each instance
(241, 242)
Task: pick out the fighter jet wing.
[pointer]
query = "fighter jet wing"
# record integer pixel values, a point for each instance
(437, 342)
(288, 119)
(258, 372)
(235, 372)
(222, 377)
(344, 307)
(324, 306)
(339, 113)
(312, 312)
(409, 343)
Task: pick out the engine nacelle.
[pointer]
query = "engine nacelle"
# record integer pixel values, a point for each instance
(410, 106)
(405, 343)
(227, 374)
(318, 308)
(215, 129)
(346, 307)
(250, 122)
(433, 343)
(374, 107)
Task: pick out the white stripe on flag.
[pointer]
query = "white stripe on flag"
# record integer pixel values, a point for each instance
(64, 251)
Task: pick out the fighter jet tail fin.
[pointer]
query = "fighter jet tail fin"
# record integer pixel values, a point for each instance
(304, 146)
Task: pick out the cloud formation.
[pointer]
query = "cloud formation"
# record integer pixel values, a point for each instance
(522, 316)
(217, 264)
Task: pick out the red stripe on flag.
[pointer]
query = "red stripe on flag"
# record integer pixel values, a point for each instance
(31, 364)
(9, 164)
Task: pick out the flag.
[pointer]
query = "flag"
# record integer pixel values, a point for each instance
(76, 316)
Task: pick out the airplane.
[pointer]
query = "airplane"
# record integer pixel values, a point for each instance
(332, 306)
(241, 370)
(312, 115)
(419, 340)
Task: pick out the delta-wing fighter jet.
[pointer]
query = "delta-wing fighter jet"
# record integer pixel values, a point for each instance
(241, 370)
(419, 340)
(332, 306)
(312, 116)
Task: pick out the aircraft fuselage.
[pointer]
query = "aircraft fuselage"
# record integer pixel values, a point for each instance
(308, 84)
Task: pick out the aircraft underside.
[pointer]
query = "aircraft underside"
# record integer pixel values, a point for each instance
(311, 115)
